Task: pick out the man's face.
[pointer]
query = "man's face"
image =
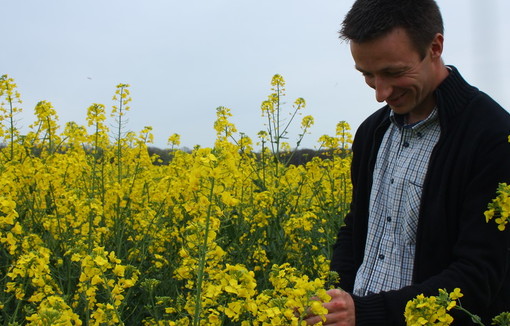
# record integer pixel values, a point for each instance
(401, 78)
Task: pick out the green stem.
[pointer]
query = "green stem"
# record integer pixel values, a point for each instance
(93, 183)
(474, 318)
(277, 127)
(50, 136)
(202, 260)
(119, 136)
(11, 128)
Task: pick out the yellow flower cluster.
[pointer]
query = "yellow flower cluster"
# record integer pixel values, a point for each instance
(9, 99)
(30, 275)
(232, 293)
(293, 295)
(342, 141)
(93, 232)
(499, 208)
(103, 275)
(53, 310)
(10, 228)
(432, 310)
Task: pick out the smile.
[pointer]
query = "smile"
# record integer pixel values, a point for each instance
(395, 99)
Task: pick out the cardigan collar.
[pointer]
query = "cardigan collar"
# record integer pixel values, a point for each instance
(452, 96)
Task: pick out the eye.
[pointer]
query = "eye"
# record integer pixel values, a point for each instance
(396, 73)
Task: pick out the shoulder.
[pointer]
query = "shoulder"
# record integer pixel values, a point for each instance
(487, 109)
(484, 116)
(462, 105)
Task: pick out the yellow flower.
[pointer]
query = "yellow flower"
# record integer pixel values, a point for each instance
(96, 279)
(456, 294)
(489, 214)
(174, 140)
(100, 261)
(119, 270)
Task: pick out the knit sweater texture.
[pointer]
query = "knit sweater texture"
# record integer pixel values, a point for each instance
(455, 246)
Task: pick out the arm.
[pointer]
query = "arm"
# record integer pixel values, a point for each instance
(342, 260)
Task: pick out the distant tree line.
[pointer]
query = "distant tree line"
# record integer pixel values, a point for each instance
(298, 157)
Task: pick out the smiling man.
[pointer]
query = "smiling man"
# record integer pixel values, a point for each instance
(400, 76)
(424, 168)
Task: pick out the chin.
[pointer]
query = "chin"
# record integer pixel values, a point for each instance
(399, 109)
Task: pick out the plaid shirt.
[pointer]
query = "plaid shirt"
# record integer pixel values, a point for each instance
(395, 197)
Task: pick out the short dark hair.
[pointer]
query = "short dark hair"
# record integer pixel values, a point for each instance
(371, 19)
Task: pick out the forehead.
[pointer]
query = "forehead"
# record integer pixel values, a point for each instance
(393, 49)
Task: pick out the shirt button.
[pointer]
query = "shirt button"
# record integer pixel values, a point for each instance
(388, 218)
(405, 144)
(392, 180)
(419, 134)
(381, 256)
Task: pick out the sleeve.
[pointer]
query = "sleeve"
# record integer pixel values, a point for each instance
(342, 260)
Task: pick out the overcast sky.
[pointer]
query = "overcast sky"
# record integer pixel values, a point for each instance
(183, 59)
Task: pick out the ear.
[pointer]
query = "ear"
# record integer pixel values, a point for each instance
(436, 47)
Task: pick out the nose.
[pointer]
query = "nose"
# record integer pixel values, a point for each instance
(382, 88)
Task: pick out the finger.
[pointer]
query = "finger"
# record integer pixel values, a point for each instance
(335, 293)
(316, 319)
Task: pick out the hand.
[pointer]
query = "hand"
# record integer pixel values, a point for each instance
(340, 310)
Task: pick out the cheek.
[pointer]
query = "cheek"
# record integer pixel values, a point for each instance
(406, 83)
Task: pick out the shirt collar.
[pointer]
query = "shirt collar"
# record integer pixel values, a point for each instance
(399, 120)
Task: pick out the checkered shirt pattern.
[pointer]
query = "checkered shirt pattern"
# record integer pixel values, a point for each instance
(399, 173)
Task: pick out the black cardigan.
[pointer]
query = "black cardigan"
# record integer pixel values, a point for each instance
(455, 247)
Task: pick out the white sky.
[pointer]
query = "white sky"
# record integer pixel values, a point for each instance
(183, 59)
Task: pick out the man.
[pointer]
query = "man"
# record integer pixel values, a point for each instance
(424, 168)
